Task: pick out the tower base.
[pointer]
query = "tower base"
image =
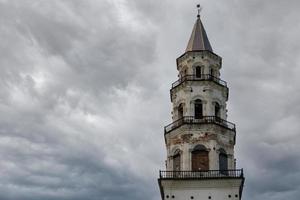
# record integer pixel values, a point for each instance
(201, 186)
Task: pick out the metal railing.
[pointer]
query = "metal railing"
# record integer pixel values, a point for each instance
(200, 120)
(209, 174)
(201, 77)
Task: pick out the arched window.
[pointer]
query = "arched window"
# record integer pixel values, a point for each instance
(198, 72)
(223, 161)
(212, 72)
(217, 110)
(198, 109)
(180, 111)
(200, 161)
(176, 161)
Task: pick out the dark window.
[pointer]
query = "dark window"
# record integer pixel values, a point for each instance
(223, 161)
(198, 109)
(212, 72)
(200, 159)
(180, 111)
(198, 72)
(176, 162)
(217, 110)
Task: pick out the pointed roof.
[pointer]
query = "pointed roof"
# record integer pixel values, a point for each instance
(198, 40)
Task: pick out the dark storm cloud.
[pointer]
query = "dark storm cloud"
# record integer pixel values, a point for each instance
(61, 63)
(262, 68)
(84, 94)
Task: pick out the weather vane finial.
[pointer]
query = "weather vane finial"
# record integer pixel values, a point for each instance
(199, 10)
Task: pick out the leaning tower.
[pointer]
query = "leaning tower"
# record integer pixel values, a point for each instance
(200, 141)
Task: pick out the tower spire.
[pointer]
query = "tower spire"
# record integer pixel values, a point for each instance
(198, 40)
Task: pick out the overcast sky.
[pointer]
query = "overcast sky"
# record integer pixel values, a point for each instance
(84, 94)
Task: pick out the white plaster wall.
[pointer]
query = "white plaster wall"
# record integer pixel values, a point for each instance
(203, 194)
(218, 189)
(196, 90)
(201, 59)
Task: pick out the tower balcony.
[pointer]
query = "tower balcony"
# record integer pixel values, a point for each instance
(203, 120)
(208, 174)
(201, 77)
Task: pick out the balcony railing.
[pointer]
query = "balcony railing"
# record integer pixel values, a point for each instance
(202, 77)
(201, 120)
(210, 174)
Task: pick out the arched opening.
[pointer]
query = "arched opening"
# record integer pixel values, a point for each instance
(200, 161)
(198, 109)
(212, 72)
(198, 72)
(180, 111)
(176, 161)
(217, 110)
(223, 161)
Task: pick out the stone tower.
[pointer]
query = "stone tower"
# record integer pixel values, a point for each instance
(200, 141)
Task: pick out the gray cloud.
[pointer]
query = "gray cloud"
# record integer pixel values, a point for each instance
(84, 94)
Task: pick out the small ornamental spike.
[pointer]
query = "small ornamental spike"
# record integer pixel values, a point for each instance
(199, 10)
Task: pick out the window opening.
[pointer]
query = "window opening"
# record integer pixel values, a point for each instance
(217, 110)
(212, 72)
(180, 111)
(200, 161)
(223, 162)
(198, 72)
(176, 162)
(198, 109)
